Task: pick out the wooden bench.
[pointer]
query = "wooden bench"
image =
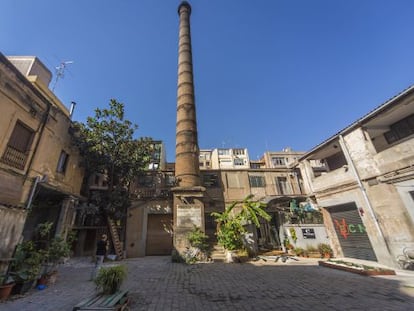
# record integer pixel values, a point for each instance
(115, 302)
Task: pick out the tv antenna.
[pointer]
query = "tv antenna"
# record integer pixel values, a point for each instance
(60, 71)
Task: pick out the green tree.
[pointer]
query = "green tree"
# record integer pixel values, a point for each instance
(107, 144)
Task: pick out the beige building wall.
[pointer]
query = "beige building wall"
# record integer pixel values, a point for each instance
(26, 100)
(378, 176)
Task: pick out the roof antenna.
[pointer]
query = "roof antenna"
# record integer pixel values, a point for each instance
(60, 72)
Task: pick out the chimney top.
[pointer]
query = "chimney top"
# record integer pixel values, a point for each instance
(186, 5)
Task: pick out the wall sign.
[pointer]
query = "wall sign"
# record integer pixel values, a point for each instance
(308, 233)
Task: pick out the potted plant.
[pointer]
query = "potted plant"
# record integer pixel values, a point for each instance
(53, 250)
(200, 249)
(110, 279)
(25, 268)
(325, 250)
(312, 252)
(6, 285)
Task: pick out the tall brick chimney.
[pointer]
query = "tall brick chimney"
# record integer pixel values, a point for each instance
(188, 195)
(187, 169)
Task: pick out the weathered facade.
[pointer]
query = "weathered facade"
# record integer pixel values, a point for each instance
(40, 177)
(150, 218)
(367, 192)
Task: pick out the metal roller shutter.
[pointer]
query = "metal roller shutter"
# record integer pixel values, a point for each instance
(351, 232)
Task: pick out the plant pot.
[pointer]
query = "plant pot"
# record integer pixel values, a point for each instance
(5, 291)
(230, 256)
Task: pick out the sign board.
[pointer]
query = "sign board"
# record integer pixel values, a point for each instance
(189, 216)
(308, 233)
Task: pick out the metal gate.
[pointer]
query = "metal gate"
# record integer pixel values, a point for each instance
(351, 232)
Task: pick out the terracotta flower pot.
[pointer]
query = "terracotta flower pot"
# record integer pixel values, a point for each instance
(5, 291)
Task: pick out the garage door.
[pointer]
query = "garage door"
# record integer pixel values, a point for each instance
(159, 240)
(351, 232)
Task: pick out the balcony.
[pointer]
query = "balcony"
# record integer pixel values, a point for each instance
(14, 158)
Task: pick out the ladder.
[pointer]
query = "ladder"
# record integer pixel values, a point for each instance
(115, 237)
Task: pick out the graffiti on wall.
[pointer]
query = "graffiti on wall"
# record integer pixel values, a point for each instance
(345, 229)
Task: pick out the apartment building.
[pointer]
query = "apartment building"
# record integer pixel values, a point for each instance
(367, 190)
(150, 218)
(39, 166)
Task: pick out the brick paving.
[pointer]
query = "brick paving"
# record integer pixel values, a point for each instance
(156, 284)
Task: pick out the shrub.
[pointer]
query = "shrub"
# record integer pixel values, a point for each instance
(198, 239)
(324, 249)
(110, 279)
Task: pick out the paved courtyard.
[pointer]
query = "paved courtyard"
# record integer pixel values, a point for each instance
(157, 284)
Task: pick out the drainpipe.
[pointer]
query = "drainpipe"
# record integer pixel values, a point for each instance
(40, 131)
(362, 188)
(29, 202)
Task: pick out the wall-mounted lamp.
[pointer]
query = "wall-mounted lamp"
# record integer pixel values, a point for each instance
(361, 211)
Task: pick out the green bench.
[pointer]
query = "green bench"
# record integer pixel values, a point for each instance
(116, 302)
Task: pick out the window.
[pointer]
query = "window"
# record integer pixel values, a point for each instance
(233, 180)
(278, 161)
(211, 180)
(146, 181)
(283, 186)
(169, 180)
(238, 161)
(224, 152)
(63, 162)
(257, 181)
(238, 151)
(254, 165)
(18, 147)
(400, 130)
(336, 161)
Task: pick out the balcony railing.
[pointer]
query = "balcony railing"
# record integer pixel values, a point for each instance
(14, 158)
(152, 193)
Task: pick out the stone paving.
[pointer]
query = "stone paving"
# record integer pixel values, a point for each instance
(157, 284)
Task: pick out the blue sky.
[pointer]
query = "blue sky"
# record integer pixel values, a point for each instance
(268, 73)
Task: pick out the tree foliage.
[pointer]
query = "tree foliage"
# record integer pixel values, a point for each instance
(107, 144)
(231, 222)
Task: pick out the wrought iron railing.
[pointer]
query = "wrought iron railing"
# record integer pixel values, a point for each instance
(14, 158)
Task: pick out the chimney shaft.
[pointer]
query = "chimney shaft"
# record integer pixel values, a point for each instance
(187, 169)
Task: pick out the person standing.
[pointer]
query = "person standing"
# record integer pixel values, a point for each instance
(101, 250)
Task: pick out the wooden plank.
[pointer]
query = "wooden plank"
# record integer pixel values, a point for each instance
(102, 302)
(115, 298)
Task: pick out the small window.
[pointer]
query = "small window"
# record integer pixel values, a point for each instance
(18, 146)
(283, 186)
(277, 161)
(257, 181)
(63, 162)
(238, 151)
(233, 181)
(170, 180)
(400, 129)
(211, 180)
(336, 161)
(238, 162)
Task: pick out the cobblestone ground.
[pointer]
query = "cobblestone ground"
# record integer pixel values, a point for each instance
(155, 283)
